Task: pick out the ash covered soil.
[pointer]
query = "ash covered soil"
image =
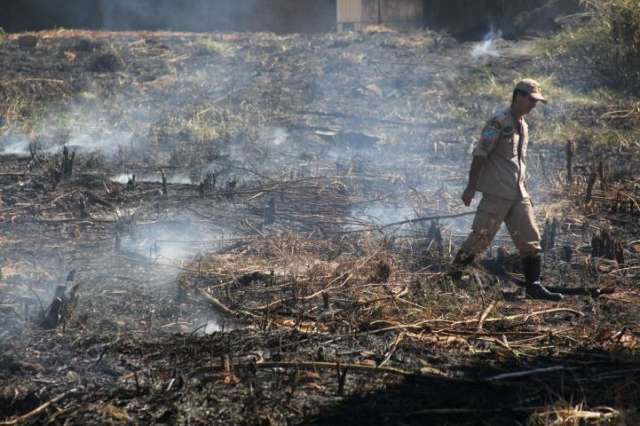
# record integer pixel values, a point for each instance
(257, 229)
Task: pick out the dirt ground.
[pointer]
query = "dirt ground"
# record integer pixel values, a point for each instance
(257, 229)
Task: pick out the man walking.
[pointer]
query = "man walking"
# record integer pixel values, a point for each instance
(498, 170)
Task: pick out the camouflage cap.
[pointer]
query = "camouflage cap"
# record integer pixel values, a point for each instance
(531, 87)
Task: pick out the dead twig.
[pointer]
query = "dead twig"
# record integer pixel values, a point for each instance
(484, 315)
(36, 411)
(522, 316)
(526, 373)
(392, 349)
(332, 366)
(404, 222)
(222, 307)
(24, 80)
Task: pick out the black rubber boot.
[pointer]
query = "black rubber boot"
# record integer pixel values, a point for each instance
(531, 266)
(461, 261)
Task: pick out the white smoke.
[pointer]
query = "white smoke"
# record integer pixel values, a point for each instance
(100, 140)
(14, 145)
(178, 178)
(278, 136)
(487, 47)
(171, 243)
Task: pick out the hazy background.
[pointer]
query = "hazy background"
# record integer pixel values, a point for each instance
(462, 18)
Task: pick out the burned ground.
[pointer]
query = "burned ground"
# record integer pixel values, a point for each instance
(239, 232)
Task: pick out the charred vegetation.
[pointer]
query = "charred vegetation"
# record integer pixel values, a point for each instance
(251, 228)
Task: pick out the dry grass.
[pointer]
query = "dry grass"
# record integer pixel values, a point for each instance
(215, 46)
(19, 97)
(374, 284)
(575, 416)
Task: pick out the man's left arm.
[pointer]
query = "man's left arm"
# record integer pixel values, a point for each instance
(485, 145)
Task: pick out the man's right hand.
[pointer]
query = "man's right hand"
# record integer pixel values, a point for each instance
(468, 195)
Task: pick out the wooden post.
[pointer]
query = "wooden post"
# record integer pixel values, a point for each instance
(603, 184)
(435, 234)
(84, 207)
(549, 235)
(590, 183)
(543, 166)
(567, 253)
(595, 246)
(164, 183)
(619, 252)
(270, 212)
(33, 152)
(545, 236)
(569, 153)
(131, 183)
(67, 163)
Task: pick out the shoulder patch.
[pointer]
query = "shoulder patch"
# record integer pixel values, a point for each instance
(490, 133)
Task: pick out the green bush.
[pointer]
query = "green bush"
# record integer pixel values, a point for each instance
(618, 21)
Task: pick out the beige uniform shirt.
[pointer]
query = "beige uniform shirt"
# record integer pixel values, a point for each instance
(504, 145)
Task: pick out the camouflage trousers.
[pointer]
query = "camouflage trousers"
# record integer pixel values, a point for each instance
(492, 212)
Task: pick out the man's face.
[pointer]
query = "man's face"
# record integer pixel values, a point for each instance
(526, 103)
